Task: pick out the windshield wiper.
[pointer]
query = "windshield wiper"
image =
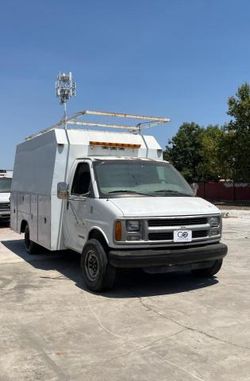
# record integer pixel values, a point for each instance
(172, 192)
(128, 191)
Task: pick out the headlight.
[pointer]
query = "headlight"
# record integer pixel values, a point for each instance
(128, 230)
(215, 226)
(214, 221)
(133, 225)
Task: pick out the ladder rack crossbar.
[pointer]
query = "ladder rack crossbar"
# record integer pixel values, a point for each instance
(95, 124)
(128, 116)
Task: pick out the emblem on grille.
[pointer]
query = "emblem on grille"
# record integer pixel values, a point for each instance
(182, 234)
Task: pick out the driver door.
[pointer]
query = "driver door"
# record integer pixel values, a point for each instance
(77, 208)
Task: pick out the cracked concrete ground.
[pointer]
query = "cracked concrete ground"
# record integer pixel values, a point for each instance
(150, 327)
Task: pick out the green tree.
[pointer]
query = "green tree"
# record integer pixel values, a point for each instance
(200, 153)
(213, 153)
(212, 165)
(238, 130)
(225, 154)
(184, 150)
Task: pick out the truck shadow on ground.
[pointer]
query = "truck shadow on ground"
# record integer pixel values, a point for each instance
(129, 283)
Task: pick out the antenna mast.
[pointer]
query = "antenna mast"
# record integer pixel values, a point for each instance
(65, 89)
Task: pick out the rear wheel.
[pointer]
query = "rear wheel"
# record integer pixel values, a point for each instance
(209, 271)
(98, 274)
(30, 246)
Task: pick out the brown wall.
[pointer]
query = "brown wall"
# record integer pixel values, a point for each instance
(224, 191)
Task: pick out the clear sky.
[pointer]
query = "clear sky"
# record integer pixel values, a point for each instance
(176, 58)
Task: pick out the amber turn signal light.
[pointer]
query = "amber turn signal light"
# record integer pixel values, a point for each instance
(118, 230)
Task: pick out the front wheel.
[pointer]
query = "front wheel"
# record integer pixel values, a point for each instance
(209, 271)
(98, 274)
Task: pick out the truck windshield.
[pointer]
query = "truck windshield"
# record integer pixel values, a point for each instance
(5, 184)
(124, 178)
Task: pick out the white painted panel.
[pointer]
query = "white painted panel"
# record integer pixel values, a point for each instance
(44, 221)
(34, 216)
(24, 202)
(13, 211)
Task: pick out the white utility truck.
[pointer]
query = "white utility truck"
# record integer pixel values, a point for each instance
(5, 185)
(110, 197)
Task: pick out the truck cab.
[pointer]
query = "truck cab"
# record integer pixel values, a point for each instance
(112, 198)
(5, 186)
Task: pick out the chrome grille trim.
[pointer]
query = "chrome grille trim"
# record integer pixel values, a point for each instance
(158, 228)
(175, 227)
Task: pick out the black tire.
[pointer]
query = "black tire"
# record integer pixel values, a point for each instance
(30, 246)
(97, 273)
(209, 271)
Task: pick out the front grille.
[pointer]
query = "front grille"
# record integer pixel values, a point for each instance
(161, 236)
(5, 206)
(178, 221)
(199, 233)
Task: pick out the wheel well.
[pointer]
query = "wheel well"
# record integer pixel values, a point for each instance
(96, 234)
(23, 225)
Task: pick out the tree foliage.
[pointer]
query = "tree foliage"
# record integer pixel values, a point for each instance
(238, 130)
(196, 152)
(211, 165)
(184, 150)
(214, 152)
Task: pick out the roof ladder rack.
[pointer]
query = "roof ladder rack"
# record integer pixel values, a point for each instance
(79, 119)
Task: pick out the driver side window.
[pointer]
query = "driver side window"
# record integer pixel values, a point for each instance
(82, 180)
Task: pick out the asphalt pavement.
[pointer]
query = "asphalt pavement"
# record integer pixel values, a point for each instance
(169, 327)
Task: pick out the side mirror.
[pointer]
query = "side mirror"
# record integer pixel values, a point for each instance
(62, 191)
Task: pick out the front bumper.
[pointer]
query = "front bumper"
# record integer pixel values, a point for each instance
(127, 258)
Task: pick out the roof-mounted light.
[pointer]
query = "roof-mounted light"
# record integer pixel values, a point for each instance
(114, 145)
